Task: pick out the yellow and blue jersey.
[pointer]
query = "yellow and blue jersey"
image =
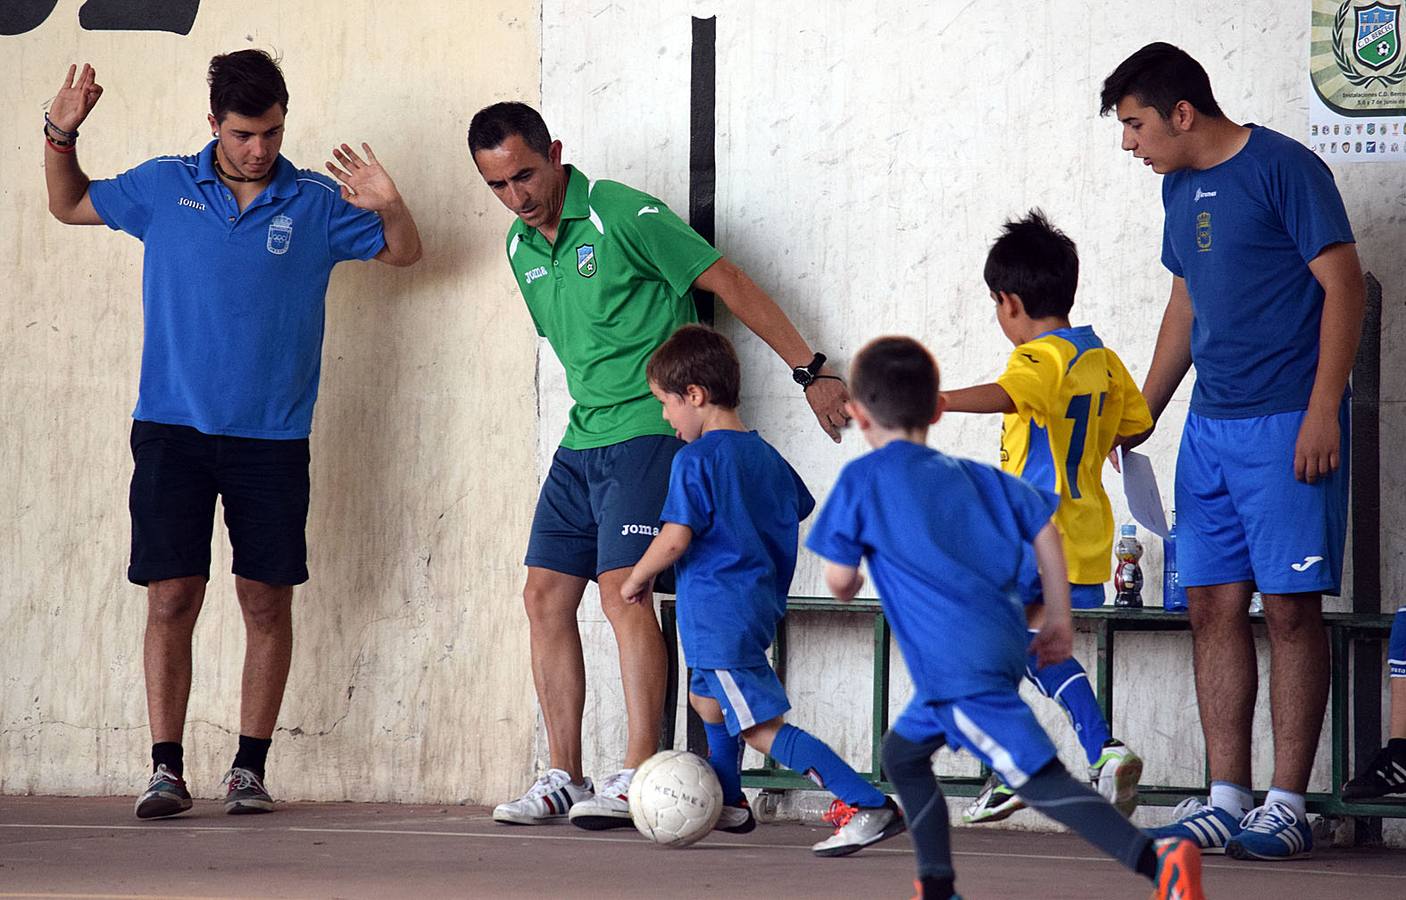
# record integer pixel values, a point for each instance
(1073, 398)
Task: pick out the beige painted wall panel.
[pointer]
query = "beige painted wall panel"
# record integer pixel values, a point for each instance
(410, 679)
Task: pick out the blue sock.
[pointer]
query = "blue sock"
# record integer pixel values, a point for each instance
(801, 752)
(1068, 683)
(725, 756)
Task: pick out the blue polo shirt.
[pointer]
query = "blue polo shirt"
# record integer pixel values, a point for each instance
(944, 538)
(744, 504)
(233, 302)
(1242, 234)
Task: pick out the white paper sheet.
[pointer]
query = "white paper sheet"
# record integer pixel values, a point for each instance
(1140, 487)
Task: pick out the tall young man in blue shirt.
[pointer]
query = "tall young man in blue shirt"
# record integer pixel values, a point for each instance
(239, 245)
(1266, 301)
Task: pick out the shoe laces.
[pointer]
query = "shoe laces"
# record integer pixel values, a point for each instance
(839, 814)
(163, 774)
(240, 779)
(1269, 818)
(544, 785)
(617, 784)
(1188, 808)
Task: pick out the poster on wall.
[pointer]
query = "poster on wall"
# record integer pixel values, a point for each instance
(1357, 81)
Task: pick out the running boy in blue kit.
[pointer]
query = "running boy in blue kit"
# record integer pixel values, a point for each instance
(946, 541)
(1066, 399)
(731, 523)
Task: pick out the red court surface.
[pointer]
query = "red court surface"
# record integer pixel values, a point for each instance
(80, 847)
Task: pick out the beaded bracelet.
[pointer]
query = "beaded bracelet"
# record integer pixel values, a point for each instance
(49, 123)
(60, 148)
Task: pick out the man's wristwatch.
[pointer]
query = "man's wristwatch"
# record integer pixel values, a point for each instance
(805, 375)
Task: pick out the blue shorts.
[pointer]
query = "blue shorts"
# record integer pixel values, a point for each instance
(1243, 516)
(1081, 596)
(748, 696)
(997, 728)
(1396, 645)
(599, 508)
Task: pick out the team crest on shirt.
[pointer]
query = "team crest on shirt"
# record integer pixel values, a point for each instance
(280, 235)
(1203, 231)
(586, 260)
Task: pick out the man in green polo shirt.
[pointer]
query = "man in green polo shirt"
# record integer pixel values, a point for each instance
(606, 271)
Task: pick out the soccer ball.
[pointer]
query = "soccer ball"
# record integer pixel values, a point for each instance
(675, 798)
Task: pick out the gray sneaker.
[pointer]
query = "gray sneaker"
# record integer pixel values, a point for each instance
(165, 795)
(856, 827)
(245, 793)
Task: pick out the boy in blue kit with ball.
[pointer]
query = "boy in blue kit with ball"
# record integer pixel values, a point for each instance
(731, 523)
(1066, 399)
(946, 540)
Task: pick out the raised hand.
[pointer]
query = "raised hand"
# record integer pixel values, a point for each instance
(365, 184)
(75, 100)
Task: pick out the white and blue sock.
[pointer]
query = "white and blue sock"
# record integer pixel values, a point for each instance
(1068, 683)
(801, 752)
(1233, 798)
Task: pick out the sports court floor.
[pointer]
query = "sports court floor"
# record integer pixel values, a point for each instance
(81, 847)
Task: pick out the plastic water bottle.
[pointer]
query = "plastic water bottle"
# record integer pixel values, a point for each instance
(1127, 577)
(1173, 595)
(1256, 604)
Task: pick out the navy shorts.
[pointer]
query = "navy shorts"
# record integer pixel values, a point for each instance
(599, 508)
(1243, 516)
(180, 471)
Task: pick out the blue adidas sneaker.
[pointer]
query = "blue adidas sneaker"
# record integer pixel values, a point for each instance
(1210, 827)
(1273, 832)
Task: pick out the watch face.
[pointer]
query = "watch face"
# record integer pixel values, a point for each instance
(802, 376)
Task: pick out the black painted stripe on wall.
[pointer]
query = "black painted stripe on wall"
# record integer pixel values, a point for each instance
(702, 139)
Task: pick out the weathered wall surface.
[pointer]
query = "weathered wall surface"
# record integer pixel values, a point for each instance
(410, 679)
(867, 155)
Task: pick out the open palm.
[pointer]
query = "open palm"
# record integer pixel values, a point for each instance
(365, 184)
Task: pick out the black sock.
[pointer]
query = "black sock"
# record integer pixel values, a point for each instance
(253, 753)
(1147, 862)
(935, 888)
(1397, 746)
(169, 754)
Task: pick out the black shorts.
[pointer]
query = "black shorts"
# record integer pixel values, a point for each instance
(179, 472)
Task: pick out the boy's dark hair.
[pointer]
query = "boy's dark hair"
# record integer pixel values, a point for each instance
(1160, 75)
(696, 354)
(493, 125)
(1036, 260)
(897, 380)
(246, 82)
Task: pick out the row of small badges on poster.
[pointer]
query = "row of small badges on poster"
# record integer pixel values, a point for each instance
(1364, 138)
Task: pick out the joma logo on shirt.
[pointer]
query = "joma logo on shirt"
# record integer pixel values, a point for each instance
(186, 201)
(534, 274)
(638, 529)
(1200, 194)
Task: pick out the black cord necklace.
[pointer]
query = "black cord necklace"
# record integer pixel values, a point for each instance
(225, 175)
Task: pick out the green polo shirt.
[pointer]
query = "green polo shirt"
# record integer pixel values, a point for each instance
(611, 289)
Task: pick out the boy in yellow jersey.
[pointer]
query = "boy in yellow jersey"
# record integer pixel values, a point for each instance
(1066, 399)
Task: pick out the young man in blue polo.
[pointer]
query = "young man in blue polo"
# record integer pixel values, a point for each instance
(607, 273)
(1266, 300)
(239, 245)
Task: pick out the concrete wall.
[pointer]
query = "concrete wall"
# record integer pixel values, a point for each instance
(867, 154)
(410, 679)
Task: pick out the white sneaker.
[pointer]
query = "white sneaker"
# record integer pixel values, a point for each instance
(1116, 776)
(857, 827)
(609, 808)
(736, 819)
(550, 798)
